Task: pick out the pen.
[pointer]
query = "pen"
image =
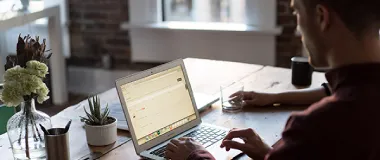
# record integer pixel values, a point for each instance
(44, 130)
(238, 156)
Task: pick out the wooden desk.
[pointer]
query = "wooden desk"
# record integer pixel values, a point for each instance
(205, 76)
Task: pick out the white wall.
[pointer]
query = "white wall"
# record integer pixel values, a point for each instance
(152, 45)
(162, 45)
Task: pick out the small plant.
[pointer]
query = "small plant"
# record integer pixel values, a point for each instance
(96, 117)
(101, 129)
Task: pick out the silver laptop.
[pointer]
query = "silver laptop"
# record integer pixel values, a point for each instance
(204, 101)
(159, 105)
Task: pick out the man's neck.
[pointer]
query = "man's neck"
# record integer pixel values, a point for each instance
(353, 51)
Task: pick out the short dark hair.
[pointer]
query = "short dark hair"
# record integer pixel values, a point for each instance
(358, 15)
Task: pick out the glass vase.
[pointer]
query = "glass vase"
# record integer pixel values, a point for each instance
(25, 134)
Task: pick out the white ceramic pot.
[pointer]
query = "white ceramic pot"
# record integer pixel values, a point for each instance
(101, 135)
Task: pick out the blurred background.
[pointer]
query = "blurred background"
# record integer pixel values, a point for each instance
(103, 40)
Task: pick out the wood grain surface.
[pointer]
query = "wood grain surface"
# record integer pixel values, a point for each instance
(205, 76)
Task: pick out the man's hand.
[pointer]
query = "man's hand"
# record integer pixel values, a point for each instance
(253, 145)
(182, 148)
(256, 98)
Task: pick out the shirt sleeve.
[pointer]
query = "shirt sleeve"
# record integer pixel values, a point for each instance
(200, 155)
(294, 144)
(309, 134)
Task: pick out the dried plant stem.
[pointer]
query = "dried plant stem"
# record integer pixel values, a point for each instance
(29, 120)
(38, 133)
(27, 109)
(19, 125)
(34, 131)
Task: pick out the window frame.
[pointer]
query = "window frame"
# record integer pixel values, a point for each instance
(150, 37)
(146, 12)
(242, 19)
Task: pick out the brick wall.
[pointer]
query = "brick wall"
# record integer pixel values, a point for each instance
(94, 30)
(288, 45)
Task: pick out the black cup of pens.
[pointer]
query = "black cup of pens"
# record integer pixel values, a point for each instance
(57, 143)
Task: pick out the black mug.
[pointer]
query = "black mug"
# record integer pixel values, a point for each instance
(302, 71)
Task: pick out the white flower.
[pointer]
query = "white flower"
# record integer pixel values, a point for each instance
(14, 74)
(30, 84)
(20, 82)
(37, 68)
(12, 94)
(42, 93)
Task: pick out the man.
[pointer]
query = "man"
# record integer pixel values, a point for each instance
(344, 36)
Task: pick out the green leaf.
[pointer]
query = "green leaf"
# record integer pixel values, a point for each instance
(96, 120)
(95, 107)
(105, 116)
(96, 104)
(91, 106)
(93, 118)
(108, 112)
(88, 115)
(84, 119)
(105, 111)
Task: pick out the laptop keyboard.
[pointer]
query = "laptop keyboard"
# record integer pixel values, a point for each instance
(159, 152)
(206, 136)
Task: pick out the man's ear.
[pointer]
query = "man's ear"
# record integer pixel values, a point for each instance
(322, 17)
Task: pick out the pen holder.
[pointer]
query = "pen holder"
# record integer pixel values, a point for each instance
(57, 144)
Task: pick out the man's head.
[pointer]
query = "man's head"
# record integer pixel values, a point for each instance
(323, 22)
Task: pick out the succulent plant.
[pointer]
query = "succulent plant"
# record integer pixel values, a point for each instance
(96, 117)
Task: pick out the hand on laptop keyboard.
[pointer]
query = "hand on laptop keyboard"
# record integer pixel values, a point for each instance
(204, 136)
(181, 148)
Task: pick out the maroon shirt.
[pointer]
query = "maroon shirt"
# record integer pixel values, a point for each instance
(345, 125)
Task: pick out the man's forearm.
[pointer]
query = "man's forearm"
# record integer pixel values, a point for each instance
(304, 96)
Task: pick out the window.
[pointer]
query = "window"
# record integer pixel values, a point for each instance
(11, 8)
(229, 11)
(15, 5)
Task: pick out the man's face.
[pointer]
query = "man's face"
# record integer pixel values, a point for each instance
(312, 36)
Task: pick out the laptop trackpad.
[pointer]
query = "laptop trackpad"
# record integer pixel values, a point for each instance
(221, 153)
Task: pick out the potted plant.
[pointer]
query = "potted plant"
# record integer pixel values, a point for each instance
(100, 128)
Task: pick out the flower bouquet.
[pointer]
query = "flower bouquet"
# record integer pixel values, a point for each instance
(23, 84)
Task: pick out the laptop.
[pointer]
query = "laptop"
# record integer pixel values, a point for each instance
(159, 105)
(204, 101)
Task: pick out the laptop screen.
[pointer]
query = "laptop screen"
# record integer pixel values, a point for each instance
(158, 104)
